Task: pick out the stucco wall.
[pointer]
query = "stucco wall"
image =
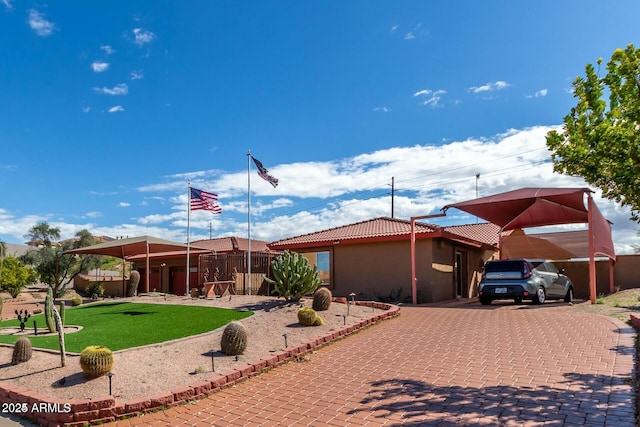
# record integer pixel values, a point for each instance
(626, 275)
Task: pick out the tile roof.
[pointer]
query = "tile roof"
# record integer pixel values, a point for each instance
(231, 244)
(385, 228)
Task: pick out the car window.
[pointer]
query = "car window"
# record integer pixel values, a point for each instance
(501, 266)
(550, 267)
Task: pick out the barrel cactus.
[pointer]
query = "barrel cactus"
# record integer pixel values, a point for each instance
(307, 316)
(76, 301)
(293, 276)
(22, 351)
(322, 299)
(234, 339)
(134, 279)
(48, 311)
(96, 360)
(318, 321)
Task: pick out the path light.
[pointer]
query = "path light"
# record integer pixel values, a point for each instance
(285, 335)
(353, 297)
(237, 357)
(110, 375)
(344, 316)
(213, 363)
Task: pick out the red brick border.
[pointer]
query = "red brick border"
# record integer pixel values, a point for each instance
(78, 413)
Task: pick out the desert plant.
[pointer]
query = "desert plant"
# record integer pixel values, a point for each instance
(234, 339)
(96, 360)
(61, 311)
(22, 351)
(318, 321)
(23, 316)
(95, 290)
(293, 276)
(48, 311)
(76, 301)
(322, 299)
(134, 279)
(307, 316)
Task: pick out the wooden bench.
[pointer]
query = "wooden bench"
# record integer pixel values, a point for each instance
(219, 288)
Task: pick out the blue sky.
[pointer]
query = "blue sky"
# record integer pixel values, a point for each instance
(110, 107)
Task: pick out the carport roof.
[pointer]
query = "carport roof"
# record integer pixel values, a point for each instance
(385, 229)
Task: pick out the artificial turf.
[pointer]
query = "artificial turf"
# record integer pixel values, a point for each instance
(120, 325)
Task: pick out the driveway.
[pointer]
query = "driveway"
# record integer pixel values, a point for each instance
(444, 365)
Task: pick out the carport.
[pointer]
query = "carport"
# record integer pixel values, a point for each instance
(131, 246)
(537, 207)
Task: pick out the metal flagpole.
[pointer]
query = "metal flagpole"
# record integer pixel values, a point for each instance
(249, 220)
(188, 231)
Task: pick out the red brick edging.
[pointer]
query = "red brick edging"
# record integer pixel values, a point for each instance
(49, 411)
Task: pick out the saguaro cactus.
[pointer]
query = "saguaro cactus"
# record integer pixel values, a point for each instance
(48, 311)
(132, 287)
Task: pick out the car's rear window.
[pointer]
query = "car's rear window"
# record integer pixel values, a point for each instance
(502, 266)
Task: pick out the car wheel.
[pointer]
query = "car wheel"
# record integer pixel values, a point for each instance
(540, 296)
(517, 300)
(485, 300)
(569, 296)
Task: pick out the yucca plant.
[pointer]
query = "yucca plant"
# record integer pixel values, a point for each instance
(293, 276)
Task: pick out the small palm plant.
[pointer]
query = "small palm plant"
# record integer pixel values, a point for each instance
(293, 276)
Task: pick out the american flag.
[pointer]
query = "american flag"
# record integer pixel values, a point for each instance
(264, 173)
(204, 200)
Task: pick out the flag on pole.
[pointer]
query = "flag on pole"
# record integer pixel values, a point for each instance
(204, 200)
(264, 173)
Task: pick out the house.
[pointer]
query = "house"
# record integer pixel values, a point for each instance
(373, 258)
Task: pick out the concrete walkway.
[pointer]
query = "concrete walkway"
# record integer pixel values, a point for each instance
(470, 365)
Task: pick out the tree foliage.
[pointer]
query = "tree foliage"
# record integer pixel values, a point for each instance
(55, 268)
(601, 140)
(15, 276)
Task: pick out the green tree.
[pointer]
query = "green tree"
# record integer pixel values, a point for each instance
(55, 268)
(601, 140)
(16, 275)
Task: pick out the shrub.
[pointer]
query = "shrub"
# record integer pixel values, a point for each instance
(22, 351)
(293, 276)
(95, 290)
(322, 299)
(234, 339)
(96, 361)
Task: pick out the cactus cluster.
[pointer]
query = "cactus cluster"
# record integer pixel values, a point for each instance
(322, 299)
(22, 351)
(23, 316)
(96, 360)
(308, 317)
(234, 339)
(293, 276)
(134, 279)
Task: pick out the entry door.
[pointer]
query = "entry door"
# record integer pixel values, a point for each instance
(461, 278)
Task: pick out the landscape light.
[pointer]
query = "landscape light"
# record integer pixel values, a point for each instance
(110, 375)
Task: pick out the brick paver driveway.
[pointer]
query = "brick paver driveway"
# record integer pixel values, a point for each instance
(499, 365)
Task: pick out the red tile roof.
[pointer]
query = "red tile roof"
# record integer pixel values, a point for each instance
(385, 228)
(231, 244)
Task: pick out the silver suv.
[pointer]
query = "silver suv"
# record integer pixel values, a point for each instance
(518, 279)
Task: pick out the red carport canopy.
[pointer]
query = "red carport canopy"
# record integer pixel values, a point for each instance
(535, 207)
(131, 246)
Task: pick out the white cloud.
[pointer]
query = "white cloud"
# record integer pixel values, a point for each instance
(116, 109)
(39, 24)
(99, 66)
(94, 214)
(119, 89)
(142, 37)
(135, 75)
(7, 4)
(86, 109)
(107, 49)
(382, 109)
(539, 94)
(489, 87)
(123, 204)
(394, 28)
(430, 97)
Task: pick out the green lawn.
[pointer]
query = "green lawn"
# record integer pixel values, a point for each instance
(119, 325)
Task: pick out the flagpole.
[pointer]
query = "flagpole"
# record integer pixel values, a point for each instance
(188, 231)
(249, 220)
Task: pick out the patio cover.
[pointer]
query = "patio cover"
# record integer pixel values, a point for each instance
(534, 207)
(131, 246)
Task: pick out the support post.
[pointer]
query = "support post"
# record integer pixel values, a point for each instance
(592, 259)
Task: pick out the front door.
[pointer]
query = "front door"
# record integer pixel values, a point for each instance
(461, 279)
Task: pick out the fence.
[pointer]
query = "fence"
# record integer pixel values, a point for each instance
(234, 267)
